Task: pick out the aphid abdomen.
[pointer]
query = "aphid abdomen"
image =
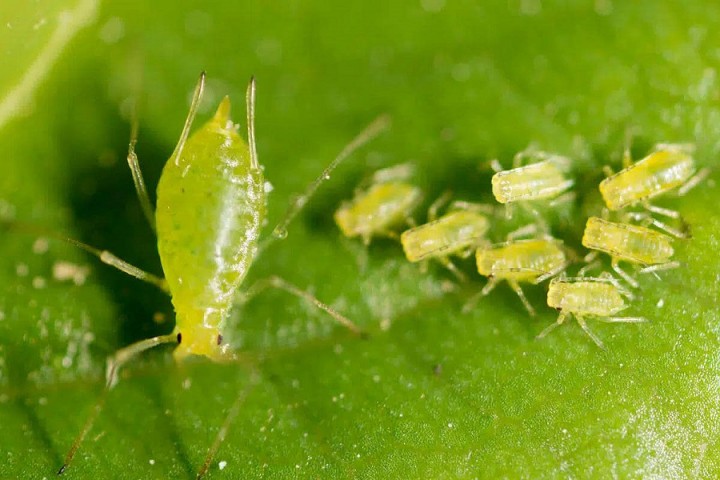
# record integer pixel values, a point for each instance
(585, 298)
(450, 234)
(655, 174)
(531, 182)
(210, 207)
(629, 242)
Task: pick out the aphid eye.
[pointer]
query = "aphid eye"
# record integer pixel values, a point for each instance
(219, 340)
(179, 337)
(558, 309)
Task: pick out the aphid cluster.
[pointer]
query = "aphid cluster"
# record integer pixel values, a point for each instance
(539, 177)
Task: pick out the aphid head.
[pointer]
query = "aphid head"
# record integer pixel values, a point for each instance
(202, 340)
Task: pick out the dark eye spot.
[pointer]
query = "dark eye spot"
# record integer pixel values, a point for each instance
(219, 340)
(179, 337)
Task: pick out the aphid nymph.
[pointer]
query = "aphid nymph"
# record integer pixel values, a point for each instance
(630, 243)
(543, 178)
(667, 167)
(531, 261)
(597, 297)
(210, 210)
(458, 232)
(381, 208)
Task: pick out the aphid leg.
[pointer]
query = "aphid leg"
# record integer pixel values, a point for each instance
(376, 127)
(541, 278)
(524, 231)
(647, 219)
(227, 423)
(473, 207)
(607, 277)
(591, 263)
(137, 175)
(665, 212)
(694, 181)
(194, 104)
(518, 290)
(447, 263)
(276, 282)
(495, 165)
(560, 320)
(437, 205)
(567, 197)
(608, 171)
(472, 302)
(623, 319)
(615, 264)
(105, 256)
(586, 329)
(660, 267)
(114, 362)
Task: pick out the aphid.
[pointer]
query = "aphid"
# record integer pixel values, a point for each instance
(599, 297)
(542, 179)
(667, 167)
(459, 232)
(630, 243)
(532, 261)
(382, 208)
(210, 210)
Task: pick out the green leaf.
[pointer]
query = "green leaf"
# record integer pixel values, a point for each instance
(433, 392)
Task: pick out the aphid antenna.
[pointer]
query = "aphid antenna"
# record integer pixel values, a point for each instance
(194, 105)
(250, 105)
(376, 127)
(441, 201)
(694, 181)
(483, 208)
(114, 364)
(134, 164)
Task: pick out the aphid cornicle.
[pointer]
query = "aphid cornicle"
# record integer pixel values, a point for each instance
(667, 167)
(210, 210)
(597, 297)
(630, 243)
(458, 232)
(531, 261)
(383, 207)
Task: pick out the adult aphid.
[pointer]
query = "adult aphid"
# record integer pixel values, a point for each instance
(210, 211)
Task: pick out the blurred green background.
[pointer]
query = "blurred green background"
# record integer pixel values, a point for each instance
(433, 393)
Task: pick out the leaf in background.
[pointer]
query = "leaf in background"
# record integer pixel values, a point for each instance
(433, 393)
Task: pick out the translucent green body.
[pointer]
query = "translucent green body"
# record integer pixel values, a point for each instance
(655, 174)
(450, 234)
(522, 260)
(628, 242)
(585, 297)
(210, 207)
(377, 211)
(536, 181)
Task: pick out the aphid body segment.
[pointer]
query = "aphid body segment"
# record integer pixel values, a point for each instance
(458, 232)
(210, 208)
(531, 261)
(583, 297)
(631, 243)
(381, 208)
(537, 181)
